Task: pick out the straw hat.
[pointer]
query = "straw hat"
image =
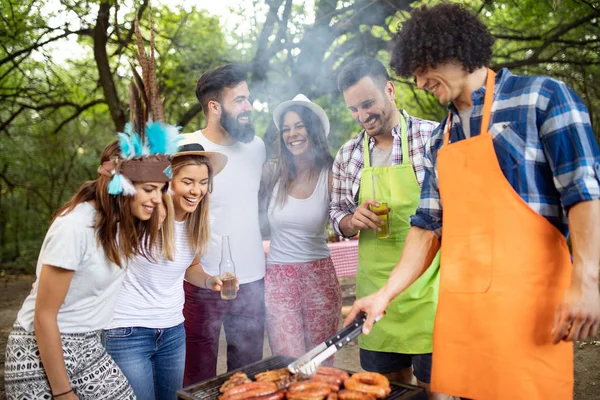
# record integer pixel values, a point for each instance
(189, 146)
(302, 100)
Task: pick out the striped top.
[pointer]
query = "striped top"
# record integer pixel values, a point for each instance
(544, 142)
(152, 293)
(349, 163)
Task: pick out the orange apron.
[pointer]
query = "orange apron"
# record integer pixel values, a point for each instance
(504, 268)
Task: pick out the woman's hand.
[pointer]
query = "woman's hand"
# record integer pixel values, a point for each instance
(215, 283)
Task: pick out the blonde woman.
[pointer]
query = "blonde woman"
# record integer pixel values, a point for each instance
(146, 337)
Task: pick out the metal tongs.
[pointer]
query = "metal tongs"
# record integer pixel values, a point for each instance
(307, 365)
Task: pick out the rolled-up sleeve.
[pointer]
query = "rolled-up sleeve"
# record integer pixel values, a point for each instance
(571, 148)
(429, 214)
(341, 192)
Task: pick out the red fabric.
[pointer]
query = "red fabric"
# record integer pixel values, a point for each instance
(343, 254)
(303, 306)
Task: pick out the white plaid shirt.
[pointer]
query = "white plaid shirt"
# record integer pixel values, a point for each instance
(348, 165)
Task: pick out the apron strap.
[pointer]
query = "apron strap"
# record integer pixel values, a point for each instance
(404, 137)
(366, 152)
(487, 102)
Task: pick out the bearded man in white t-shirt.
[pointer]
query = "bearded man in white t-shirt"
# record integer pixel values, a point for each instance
(225, 99)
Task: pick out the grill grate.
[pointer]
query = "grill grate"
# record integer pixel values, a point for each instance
(209, 390)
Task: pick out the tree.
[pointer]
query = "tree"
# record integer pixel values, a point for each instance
(57, 117)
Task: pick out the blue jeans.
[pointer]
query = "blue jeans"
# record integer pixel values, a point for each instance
(152, 359)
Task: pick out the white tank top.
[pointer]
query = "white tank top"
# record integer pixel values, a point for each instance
(298, 230)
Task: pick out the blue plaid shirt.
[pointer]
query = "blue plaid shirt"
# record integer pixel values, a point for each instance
(544, 143)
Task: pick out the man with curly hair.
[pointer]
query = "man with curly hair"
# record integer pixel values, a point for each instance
(509, 174)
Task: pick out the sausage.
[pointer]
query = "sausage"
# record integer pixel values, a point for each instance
(347, 394)
(311, 394)
(308, 390)
(369, 382)
(272, 396)
(333, 371)
(329, 379)
(249, 390)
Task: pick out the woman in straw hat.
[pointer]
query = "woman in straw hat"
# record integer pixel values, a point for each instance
(146, 336)
(302, 294)
(53, 350)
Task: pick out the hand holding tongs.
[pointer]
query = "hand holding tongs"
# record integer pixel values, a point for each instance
(307, 365)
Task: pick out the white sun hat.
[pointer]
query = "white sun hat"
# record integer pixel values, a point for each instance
(302, 100)
(189, 146)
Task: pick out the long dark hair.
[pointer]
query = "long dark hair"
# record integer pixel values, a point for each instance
(118, 231)
(285, 170)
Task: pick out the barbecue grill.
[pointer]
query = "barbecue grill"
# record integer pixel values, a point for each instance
(209, 390)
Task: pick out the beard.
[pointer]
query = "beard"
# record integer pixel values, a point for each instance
(241, 132)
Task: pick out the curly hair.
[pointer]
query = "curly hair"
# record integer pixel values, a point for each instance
(438, 35)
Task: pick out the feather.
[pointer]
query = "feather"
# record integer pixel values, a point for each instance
(114, 186)
(163, 138)
(127, 187)
(173, 138)
(157, 138)
(168, 172)
(125, 145)
(143, 60)
(140, 102)
(136, 142)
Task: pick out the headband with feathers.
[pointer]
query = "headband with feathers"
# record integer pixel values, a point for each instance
(147, 143)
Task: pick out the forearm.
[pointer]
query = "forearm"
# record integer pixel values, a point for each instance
(584, 226)
(51, 352)
(196, 275)
(420, 249)
(346, 227)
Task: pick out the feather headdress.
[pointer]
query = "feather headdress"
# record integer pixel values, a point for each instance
(147, 143)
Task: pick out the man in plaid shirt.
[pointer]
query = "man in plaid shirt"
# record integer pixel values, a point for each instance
(386, 161)
(511, 172)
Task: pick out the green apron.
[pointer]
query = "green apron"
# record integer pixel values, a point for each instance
(408, 323)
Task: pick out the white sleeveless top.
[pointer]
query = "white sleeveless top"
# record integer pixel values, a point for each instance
(152, 293)
(298, 230)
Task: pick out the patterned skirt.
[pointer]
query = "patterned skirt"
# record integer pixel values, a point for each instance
(92, 372)
(303, 306)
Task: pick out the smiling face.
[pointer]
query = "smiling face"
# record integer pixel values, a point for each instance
(372, 106)
(189, 185)
(236, 112)
(447, 81)
(294, 134)
(148, 195)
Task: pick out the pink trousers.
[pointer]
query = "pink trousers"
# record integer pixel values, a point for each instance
(303, 306)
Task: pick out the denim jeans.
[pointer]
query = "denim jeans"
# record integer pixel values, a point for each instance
(152, 359)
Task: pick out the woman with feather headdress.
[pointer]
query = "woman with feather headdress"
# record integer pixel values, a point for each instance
(54, 350)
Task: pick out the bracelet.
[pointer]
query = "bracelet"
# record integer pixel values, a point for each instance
(205, 281)
(62, 394)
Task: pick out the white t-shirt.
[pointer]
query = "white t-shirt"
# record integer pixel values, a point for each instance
(234, 209)
(71, 244)
(298, 230)
(152, 293)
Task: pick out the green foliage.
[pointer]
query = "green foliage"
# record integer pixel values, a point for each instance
(57, 113)
(55, 117)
